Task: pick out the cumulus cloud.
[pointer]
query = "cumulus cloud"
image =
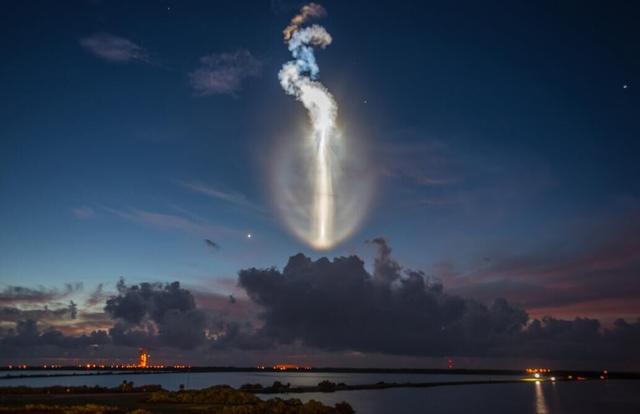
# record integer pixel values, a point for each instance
(114, 49)
(332, 306)
(156, 315)
(338, 305)
(224, 73)
(168, 309)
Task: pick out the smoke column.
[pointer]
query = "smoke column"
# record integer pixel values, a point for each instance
(324, 153)
(308, 11)
(297, 79)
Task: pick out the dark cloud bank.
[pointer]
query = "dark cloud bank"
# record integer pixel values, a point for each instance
(339, 306)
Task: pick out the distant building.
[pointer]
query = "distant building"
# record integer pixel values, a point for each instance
(143, 358)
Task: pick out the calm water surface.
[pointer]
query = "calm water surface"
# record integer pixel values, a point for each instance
(584, 397)
(172, 381)
(579, 397)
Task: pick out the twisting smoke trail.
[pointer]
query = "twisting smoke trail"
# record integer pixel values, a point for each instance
(310, 10)
(322, 184)
(297, 79)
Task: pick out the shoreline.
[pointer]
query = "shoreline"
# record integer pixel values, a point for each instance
(250, 398)
(60, 372)
(276, 388)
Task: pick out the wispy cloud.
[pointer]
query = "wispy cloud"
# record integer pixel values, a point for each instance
(39, 295)
(428, 164)
(83, 212)
(170, 222)
(212, 244)
(97, 297)
(114, 49)
(556, 279)
(56, 313)
(227, 196)
(437, 201)
(224, 73)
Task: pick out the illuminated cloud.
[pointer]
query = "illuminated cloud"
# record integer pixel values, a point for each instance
(114, 49)
(83, 212)
(561, 281)
(45, 313)
(232, 197)
(333, 306)
(306, 12)
(338, 305)
(224, 73)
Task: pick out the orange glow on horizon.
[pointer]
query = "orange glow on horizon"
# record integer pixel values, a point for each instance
(287, 367)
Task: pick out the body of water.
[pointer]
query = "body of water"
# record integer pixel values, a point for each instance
(576, 397)
(580, 397)
(172, 381)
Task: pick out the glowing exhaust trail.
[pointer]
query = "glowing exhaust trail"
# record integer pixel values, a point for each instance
(323, 217)
(322, 185)
(297, 78)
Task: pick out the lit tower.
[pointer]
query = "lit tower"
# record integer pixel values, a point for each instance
(143, 358)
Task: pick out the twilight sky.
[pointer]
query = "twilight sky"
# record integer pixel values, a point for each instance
(137, 141)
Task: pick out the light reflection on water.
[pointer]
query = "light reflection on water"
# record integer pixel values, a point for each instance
(584, 397)
(541, 403)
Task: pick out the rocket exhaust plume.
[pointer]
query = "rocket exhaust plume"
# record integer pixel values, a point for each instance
(324, 154)
(306, 12)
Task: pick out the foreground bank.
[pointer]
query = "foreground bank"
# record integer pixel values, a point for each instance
(153, 400)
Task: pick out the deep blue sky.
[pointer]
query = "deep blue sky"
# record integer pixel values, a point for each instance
(504, 135)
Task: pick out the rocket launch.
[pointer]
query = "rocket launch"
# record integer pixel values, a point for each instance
(315, 213)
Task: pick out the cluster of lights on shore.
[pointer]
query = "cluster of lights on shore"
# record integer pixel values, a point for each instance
(93, 365)
(544, 374)
(533, 374)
